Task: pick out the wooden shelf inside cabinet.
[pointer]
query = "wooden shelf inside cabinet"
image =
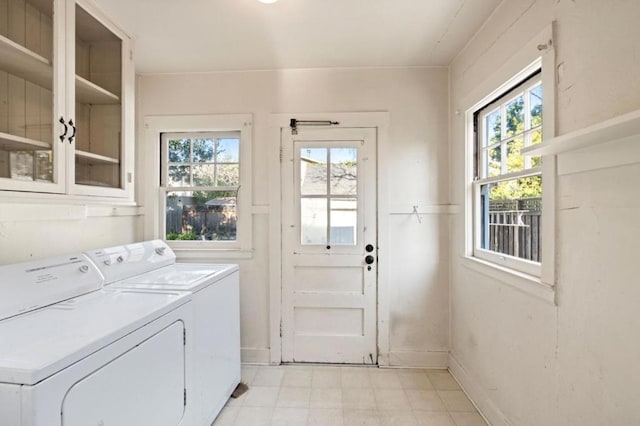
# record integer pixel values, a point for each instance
(17, 143)
(24, 63)
(90, 93)
(617, 128)
(89, 158)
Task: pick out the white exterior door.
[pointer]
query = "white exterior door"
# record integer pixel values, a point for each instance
(329, 230)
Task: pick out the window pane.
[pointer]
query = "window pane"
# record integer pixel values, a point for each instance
(344, 221)
(203, 150)
(201, 215)
(179, 150)
(510, 215)
(178, 176)
(313, 220)
(515, 160)
(515, 117)
(535, 100)
(228, 151)
(493, 161)
(204, 174)
(344, 171)
(492, 128)
(228, 175)
(313, 171)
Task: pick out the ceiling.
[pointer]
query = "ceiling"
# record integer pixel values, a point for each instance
(212, 35)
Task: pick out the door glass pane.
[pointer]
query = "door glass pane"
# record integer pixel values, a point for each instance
(344, 221)
(313, 221)
(98, 120)
(313, 171)
(344, 171)
(26, 82)
(201, 215)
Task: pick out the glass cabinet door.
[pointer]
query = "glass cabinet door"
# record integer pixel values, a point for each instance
(30, 71)
(98, 105)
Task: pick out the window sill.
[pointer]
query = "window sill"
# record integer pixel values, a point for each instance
(209, 254)
(518, 280)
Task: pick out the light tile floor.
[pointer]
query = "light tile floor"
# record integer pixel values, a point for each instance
(348, 396)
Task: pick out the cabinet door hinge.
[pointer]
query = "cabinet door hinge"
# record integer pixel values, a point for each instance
(185, 398)
(281, 154)
(131, 55)
(280, 328)
(184, 337)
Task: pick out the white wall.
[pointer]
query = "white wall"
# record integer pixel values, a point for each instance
(524, 360)
(46, 226)
(417, 100)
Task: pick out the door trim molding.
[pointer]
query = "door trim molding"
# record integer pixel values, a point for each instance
(379, 121)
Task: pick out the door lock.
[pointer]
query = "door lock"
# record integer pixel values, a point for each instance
(369, 259)
(369, 248)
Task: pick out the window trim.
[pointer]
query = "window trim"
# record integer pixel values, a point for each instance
(538, 53)
(154, 195)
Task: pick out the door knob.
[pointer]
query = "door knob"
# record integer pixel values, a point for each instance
(369, 248)
(369, 259)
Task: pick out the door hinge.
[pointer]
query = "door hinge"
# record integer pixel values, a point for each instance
(281, 154)
(185, 398)
(280, 328)
(131, 55)
(184, 337)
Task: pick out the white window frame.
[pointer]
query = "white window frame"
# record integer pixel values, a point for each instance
(538, 53)
(532, 80)
(155, 127)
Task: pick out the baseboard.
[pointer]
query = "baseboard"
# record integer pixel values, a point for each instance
(487, 409)
(415, 359)
(254, 356)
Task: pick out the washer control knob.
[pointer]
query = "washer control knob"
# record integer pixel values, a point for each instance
(160, 250)
(84, 269)
(120, 259)
(107, 262)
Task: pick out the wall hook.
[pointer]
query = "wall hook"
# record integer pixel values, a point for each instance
(415, 210)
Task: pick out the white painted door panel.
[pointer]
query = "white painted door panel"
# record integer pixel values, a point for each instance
(329, 218)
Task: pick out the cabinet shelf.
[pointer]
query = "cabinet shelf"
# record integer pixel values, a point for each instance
(17, 143)
(617, 128)
(90, 93)
(24, 63)
(90, 158)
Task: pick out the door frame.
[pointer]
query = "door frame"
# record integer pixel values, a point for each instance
(379, 121)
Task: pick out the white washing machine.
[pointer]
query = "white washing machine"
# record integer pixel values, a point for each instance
(150, 266)
(74, 354)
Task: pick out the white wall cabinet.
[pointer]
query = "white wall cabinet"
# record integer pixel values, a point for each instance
(66, 100)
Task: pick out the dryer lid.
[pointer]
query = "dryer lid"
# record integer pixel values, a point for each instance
(38, 344)
(31, 285)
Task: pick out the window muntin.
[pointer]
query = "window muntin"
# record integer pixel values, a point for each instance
(507, 184)
(200, 180)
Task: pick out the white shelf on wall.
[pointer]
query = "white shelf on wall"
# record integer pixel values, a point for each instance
(90, 93)
(24, 63)
(10, 142)
(617, 128)
(84, 157)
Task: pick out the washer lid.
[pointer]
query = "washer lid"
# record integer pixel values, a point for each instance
(179, 276)
(37, 344)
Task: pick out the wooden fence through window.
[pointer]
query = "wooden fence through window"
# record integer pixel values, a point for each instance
(514, 227)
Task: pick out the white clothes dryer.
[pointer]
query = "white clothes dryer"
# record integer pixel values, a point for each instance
(150, 266)
(74, 354)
